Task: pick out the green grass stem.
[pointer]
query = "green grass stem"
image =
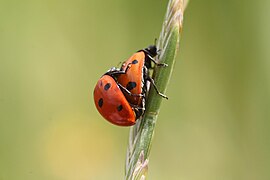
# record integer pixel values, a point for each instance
(141, 134)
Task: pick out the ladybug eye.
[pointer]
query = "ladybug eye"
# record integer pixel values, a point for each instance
(131, 85)
(134, 61)
(100, 102)
(107, 86)
(119, 108)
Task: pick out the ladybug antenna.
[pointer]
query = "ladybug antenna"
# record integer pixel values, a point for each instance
(119, 63)
(151, 50)
(155, 41)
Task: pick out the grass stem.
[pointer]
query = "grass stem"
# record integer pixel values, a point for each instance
(141, 134)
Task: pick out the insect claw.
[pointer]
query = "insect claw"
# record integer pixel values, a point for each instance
(162, 64)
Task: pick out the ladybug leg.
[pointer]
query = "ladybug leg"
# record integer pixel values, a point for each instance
(155, 62)
(128, 92)
(139, 111)
(155, 87)
(137, 107)
(128, 66)
(116, 71)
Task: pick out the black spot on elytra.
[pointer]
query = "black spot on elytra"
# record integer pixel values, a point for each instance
(134, 61)
(101, 84)
(119, 108)
(107, 86)
(131, 85)
(100, 102)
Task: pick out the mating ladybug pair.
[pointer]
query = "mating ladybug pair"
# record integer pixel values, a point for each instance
(120, 94)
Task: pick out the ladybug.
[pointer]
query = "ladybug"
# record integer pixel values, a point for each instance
(137, 74)
(111, 102)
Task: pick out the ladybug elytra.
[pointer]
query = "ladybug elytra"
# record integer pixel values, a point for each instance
(111, 102)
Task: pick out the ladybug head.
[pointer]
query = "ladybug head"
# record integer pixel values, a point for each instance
(151, 50)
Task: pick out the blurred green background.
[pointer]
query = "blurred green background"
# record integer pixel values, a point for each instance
(214, 126)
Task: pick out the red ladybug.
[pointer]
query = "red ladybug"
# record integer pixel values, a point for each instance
(111, 102)
(137, 74)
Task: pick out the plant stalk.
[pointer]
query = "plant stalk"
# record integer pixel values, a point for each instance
(141, 134)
